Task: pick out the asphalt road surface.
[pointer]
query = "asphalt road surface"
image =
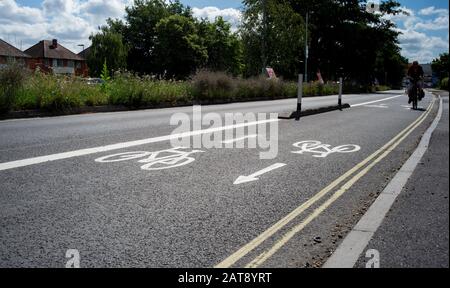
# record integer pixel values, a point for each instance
(116, 214)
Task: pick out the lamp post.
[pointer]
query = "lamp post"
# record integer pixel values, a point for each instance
(264, 36)
(81, 45)
(306, 47)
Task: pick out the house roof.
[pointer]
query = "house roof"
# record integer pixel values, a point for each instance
(45, 49)
(7, 49)
(85, 52)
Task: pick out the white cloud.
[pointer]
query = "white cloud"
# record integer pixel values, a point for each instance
(11, 12)
(420, 30)
(432, 11)
(420, 46)
(231, 15)
(439, 23)
(70, 21)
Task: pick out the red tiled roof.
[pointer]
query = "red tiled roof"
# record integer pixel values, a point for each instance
(45, 49)
(7, 49)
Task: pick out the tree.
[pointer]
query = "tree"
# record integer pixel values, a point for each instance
(341, 35)
(139, 30)
(107, 46)
(344, 35)
(178, 48)
(440, 66)
(223, 47)
(275, 39)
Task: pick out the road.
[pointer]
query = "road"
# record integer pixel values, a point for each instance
(196, 215)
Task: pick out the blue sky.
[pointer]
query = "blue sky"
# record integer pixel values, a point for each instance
(24, 22)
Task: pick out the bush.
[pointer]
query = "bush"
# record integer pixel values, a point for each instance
(444, 84)
(319, 89)
(11, 81)
(213, 86)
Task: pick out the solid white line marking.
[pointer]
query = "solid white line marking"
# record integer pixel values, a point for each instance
(84, 152)
(88, 151)
(254, 176)
(377, 106)
(239, 139)
(356, 241)
(376, 101)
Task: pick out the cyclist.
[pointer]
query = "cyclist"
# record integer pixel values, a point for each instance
(415, 73)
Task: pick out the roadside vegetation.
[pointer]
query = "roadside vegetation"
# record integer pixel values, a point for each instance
(440, 68)
(22, 90)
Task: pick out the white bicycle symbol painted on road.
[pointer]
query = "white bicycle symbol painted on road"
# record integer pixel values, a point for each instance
(323, 150)
(153, 161)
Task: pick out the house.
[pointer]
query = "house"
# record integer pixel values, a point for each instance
(428, 75)
(11, 53)
(85, 53)
(52, 57)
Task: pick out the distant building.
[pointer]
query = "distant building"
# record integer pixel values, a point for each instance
(428, 75)
(85, 53)
(52, 57)
(11, 53)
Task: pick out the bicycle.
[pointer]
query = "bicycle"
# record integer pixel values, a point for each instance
(154, 161)
(414, 92)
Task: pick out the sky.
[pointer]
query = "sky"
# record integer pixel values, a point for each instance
(425, 32)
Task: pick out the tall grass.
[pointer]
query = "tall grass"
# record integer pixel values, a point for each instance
(134, 91)
(47, 92)
(21, 91)
(220, 86)
(11, 80)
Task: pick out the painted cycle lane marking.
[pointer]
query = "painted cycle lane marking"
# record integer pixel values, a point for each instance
(323, 150)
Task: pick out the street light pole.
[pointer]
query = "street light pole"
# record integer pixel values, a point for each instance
(306, 47)
(264, 36)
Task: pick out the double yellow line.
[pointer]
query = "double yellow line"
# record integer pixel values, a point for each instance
(370, 161)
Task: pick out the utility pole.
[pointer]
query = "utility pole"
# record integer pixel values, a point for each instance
(306, 47)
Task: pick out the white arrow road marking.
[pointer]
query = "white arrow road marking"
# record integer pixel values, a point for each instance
(254, 176)
(239, 139)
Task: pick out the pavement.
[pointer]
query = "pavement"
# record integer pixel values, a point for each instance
(119, 215)
(415, 232)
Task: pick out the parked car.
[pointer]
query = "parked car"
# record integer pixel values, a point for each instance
(94, 81)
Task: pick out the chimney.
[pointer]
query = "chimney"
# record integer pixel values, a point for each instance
(54, 43)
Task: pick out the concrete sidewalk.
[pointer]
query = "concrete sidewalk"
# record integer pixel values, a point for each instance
(415, 233)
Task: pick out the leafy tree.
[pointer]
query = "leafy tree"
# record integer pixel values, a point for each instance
(343, 37)
(273, 35)
(440, 66)
(178, 48)
(107, 46)
(390, 66)
(223, 47)
(139, 31)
